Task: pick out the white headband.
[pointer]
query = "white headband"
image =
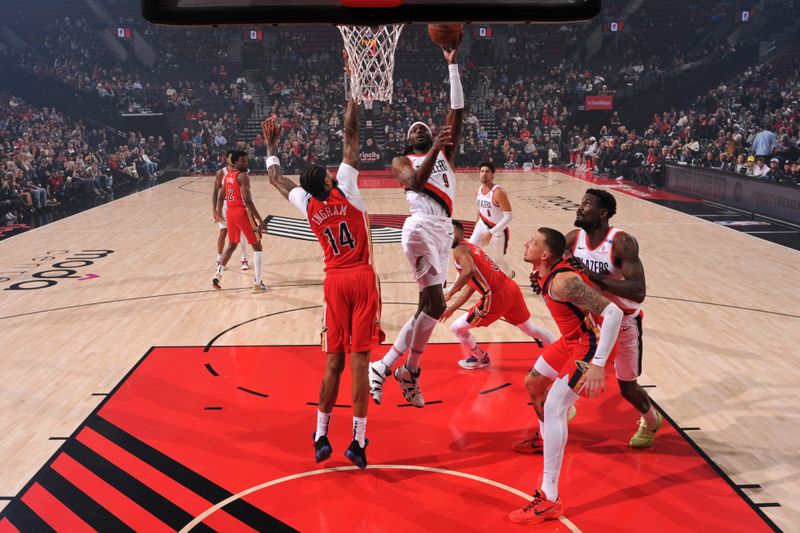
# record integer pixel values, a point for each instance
(408, 133)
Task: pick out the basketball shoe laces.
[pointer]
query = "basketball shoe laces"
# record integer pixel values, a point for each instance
(537, 499)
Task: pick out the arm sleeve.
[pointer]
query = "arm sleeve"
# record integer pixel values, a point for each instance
(507, 215)
(612, 318)
(299, 198)
(456, 91)
(347, 177)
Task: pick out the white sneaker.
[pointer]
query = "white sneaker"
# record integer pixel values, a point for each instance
(473, 363)
(409, 383)
(378, 371)
(260, 287)
(245, 265)
(216, 282)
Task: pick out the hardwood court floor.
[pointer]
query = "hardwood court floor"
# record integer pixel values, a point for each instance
(722, 315)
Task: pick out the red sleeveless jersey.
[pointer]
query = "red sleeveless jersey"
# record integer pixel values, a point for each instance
(342, 230)
(487, 276)
(571, 321)
(233, 194)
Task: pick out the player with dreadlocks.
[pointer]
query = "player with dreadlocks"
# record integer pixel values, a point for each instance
(426, 174)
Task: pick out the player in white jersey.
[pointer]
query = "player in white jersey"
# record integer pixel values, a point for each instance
(494, 213)
(426, 174)
(610, 258)
(219, 216)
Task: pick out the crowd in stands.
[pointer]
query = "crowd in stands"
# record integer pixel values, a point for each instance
(48, 159)
(522, 94)
(750, 126)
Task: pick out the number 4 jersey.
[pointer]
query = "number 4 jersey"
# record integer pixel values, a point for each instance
(340, 222)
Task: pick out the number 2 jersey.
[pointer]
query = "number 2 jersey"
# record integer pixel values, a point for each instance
(340, 223)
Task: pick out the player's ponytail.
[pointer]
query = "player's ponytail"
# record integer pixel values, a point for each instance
(312, 180)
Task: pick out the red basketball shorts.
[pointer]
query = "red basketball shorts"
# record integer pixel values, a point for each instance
(562, 354)
(239, 222)
(508, 303)
(352, 310)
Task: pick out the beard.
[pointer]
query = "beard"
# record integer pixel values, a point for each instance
(583, 224)
(424, 144)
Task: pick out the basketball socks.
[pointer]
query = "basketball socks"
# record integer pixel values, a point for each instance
(533, 331)
(460, 329)
(322, 424)
(220, 268)
(401, 344)
(651, 417)
(423, 329)
(559, 401)
(360, 430)
(243, 245)
(257, 264)
(219, 258)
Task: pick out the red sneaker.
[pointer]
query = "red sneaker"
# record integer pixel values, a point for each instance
(539, 510)
(529, 446)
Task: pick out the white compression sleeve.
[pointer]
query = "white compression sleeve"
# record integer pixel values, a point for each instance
(612, 318)
(456, 92)
(507, 216)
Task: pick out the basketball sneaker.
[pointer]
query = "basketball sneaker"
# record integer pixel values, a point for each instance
(473, 363)
(245, 265)
(357, 454)
(378, 372)
(409, 383)
(260, 287)
(539, 510)
(217, 281)
(322, 447)
(529, 446)
(644, 436)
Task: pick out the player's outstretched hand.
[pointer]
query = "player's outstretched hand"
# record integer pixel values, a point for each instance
(451, 55)
(348, 68)
(217, 216)
(444, 139)
(535, 279)
(271, 131)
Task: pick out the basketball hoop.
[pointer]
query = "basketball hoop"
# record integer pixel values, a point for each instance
(371, 53)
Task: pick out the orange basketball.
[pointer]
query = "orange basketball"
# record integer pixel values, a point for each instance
(447, 35)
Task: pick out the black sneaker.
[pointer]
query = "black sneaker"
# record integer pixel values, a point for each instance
(322, 447)
(356, 454)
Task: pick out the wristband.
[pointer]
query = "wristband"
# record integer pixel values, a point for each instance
(272, 160)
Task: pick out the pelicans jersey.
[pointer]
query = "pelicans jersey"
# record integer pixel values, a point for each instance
(237, 217)
(500, 297)
(352, 307)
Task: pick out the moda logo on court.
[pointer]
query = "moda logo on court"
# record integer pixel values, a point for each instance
(51, 267)
(385, 229)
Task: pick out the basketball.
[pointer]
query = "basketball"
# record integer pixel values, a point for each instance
(447, 35)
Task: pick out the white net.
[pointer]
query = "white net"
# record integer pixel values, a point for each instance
(371, 52)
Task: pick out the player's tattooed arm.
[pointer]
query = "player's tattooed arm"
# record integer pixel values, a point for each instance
(569, 287)
(351, 140)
